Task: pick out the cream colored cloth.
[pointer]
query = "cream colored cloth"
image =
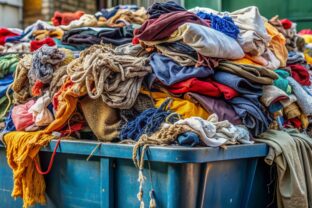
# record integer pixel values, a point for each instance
(253, 36)
(41, 114)
(205, 40)
(215, 133)
(86, 20)
(271, 93)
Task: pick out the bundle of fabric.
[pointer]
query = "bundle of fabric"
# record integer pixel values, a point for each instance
(85, 37)
(123, 17)
(86, 20)
(65, 18)
(20, 47)
(116, 79)
(36, 44)
(6, 33)
(43, 34)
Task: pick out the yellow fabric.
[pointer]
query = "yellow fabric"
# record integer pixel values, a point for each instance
(246, 61)
(277, 44)
(23, 148)
(42, 34)
(304, 121)
(183, 107)
(307, 57)
(307, 38)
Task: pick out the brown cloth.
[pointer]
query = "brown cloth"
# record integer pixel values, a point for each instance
(103, 120)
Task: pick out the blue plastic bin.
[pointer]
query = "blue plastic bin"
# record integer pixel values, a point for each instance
(181, 177)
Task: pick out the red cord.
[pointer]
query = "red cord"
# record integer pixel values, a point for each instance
(51, 161)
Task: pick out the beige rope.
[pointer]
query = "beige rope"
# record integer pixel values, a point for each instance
(115, 78)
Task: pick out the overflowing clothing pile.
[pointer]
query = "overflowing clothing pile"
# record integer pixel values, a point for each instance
(165, 76)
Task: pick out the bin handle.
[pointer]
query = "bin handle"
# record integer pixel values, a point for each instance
(51, 161)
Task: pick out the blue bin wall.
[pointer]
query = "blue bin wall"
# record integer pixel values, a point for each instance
(181, 177)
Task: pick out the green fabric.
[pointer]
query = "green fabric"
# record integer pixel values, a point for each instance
(8, 64)
(282, 82)
(285, 153)
(304, 144)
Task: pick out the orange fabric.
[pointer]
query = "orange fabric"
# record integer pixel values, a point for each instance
(277, 44)
(246, 60)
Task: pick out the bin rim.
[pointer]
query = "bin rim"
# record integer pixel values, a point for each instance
(168, 154)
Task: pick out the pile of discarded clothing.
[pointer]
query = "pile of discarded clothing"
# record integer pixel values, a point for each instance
(162, 76)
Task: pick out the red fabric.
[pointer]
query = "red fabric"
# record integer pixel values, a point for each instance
(65, 18)
(204, 87)
(36, 44)
(5, 33)
(36, 89)
(135, 41)
(300, 74)
(295, 122)
(286, 23)
(305, 32)
(162, 27)
(64, 87)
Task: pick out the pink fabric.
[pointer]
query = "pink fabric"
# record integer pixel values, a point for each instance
(21, 117)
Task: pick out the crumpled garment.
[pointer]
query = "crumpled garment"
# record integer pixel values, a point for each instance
(8, 64)
(27, 35)
(253, 37)
(277, 44)
(124, 17)
(272, 95)
(215, 105)
(44, 61)
(65, 18)
(21, 117)
(36, 44)
(215, 133)
(103, 120)
(43, 34)
(206, 41)
(5, 82)
(282, 81)
(183, 107)
(256, 74)
(162, 27)
(131, 50)
(85, 37)
(20, 85)
(223, 24)
(106, 13)
(160, 8)
(170, 72)
(86, 20)
(305, 32)
(290, 154)
(116, 79)
(252, 114)
(295, 58)
(300, 74)
(189, 138)
(5, 33)
(40, 112)
(241, 85)
(292, 99)
(304, 100)
(22, 47)
(205, 87)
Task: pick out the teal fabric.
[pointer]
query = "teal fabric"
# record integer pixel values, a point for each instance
(282, 81)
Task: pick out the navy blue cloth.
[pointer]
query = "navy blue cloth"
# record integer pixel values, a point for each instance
(241, 85)
(252, 114)
(223, 24)
(180, 47)
(170, 72)
(9, 125)
(188, 139)
(117, 36)
(158, 9)
(5, 83)
(107, 13)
